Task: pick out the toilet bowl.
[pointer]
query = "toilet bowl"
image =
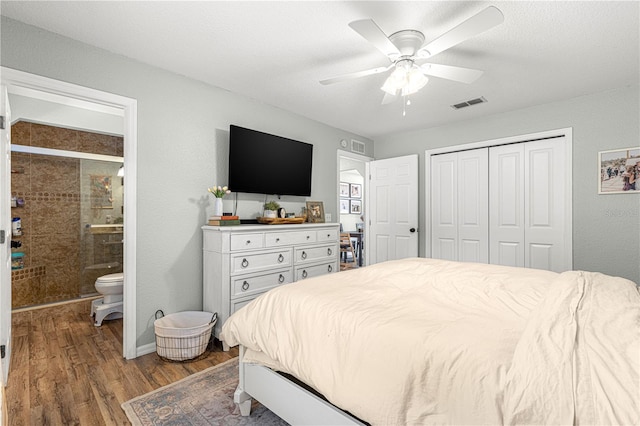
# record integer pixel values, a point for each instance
(110, 306)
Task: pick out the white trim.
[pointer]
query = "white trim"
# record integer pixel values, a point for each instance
(19, 82)
(568, 207)
(63, 153)
(146, 349)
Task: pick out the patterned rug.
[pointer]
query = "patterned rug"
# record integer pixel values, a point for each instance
(204, 398)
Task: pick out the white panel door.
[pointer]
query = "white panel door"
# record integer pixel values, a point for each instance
(393, 209)
(544, 216)
(506, 198)
(444, 206)
(473, 205)
(459, 206)
(5, 226)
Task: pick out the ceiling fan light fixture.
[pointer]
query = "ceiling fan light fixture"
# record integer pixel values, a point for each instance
(416, 80)
(406, 79)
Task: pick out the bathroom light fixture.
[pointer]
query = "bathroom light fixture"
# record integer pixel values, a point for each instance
(121, 171)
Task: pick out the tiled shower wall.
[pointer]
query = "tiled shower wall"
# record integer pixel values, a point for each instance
(51, 218)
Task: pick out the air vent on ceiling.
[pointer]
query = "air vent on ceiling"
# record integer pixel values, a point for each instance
(357, 146)
(468, 103)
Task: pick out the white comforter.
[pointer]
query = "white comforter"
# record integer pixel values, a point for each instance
(422, 341)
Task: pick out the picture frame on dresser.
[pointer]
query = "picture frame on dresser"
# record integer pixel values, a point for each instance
(315, 212)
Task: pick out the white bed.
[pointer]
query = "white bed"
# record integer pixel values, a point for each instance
(423, 341)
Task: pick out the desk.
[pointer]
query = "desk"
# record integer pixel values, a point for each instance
(359, 236)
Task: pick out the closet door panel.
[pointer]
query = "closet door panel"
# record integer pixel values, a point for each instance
(444, 215)
(506, 201)
(545, 197)
(473, 205)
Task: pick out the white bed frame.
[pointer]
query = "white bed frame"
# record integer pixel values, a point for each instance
(288, 400)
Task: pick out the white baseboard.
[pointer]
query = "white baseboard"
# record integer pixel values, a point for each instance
(146, 349)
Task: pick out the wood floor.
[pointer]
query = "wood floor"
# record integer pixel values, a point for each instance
(66, 371)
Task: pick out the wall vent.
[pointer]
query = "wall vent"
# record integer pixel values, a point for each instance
(469, 103)
(357, 146)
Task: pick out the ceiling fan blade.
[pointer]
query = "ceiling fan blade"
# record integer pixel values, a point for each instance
(462, 75)
(388, 98)
(488, 18)
(374, 35)
(355, 75)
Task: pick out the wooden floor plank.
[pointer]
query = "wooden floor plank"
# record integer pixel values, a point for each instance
(64, 370)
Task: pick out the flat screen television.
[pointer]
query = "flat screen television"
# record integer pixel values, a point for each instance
(261, 163)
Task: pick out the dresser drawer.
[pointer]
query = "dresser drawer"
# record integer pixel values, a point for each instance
(258, 283)
(246, 241)
(303, 272)
(248, 262)
(327, 235)
(237, 304)
(276, 239)
(316, 253)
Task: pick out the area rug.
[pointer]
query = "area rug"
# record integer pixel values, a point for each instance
(204, 398)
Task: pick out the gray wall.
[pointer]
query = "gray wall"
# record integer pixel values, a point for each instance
(606, 231)
(182, 149)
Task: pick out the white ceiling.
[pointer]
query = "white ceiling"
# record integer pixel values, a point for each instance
(277, 51)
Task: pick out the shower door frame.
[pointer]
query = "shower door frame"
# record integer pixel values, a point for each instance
(34, 86)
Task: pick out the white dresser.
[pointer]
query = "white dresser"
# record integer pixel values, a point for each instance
(242, 262)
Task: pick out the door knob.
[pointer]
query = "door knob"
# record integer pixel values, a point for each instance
(412, 230)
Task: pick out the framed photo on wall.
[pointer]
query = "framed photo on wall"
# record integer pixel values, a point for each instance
(344, 189)
(619, 171)
(344, 206)
(315, 212)
(356, 206)
(356, 190)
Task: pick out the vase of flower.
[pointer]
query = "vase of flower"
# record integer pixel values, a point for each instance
(218, 192)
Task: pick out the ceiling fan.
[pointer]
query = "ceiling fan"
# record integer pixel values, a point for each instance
(406, 50)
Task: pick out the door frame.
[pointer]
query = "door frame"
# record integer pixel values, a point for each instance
(44, 88)
(568, 207)
(365, 192)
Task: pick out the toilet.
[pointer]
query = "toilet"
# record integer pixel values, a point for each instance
(110, 306)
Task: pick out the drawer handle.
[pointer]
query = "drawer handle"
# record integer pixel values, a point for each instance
(280, 258)
(277, 240)
(329, 252)
(248, 242)
(328, 235)
(330, 268)
(304, 273)
(308, 236)
(245, 286)
(281, 279)
(245, 263)
(304, 255)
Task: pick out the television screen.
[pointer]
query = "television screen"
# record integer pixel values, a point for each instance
(261, 163)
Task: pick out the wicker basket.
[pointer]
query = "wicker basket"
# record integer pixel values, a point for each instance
(183, 335)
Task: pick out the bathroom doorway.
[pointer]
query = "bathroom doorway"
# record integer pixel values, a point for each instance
(65, 95)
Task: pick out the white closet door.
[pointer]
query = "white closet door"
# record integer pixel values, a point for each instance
(444, 206)
(473, 208)
(544, 198)
(506, 198)
(459, 219)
